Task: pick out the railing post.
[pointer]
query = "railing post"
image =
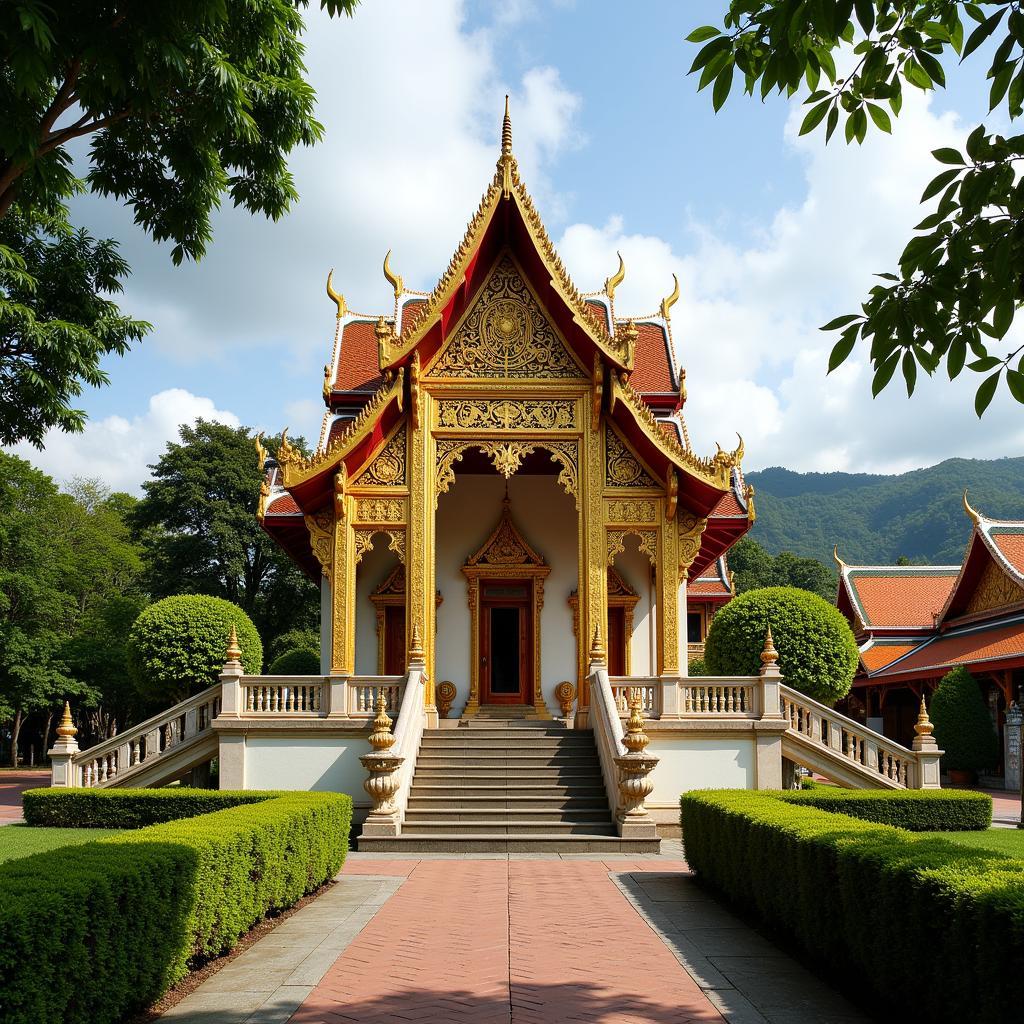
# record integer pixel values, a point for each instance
(336, 690)
(769, 740)
(771, 679)
(671, 697)
(62, 769)
(926, 775)
(635, 782)
(230, 748)
(383, 781)
(231, 680)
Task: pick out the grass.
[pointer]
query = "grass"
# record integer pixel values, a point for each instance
(22, 840)
(1002, 840)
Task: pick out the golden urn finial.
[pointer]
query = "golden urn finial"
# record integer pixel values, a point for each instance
(381, 737)
(506, 131)
(336, 297)
(635, 739)
(66, 729)
(769, 656)
(234, 652)
(923, 726)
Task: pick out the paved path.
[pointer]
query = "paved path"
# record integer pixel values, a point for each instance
(514, 940)
(12, 785)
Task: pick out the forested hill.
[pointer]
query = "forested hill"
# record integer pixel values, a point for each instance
(875, 518)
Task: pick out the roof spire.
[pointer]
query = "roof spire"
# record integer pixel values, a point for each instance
(840, 564)
(506, 161)
(506, 132)
(973, 513)
(670, 300)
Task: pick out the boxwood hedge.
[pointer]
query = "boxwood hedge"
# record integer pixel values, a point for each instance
(916, 810)
(96, 932)
(933, 930)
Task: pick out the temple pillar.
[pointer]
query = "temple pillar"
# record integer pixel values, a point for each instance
(593, 567)
(343, 577)
(668, 595)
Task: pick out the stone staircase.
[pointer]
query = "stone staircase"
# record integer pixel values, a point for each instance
(507, 785)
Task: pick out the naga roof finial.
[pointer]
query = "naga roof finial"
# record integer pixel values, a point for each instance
(395, 280)
(972, 512)
(336, 297)
(840, 564)
(670, 300)
(616, 279)
(506, 131)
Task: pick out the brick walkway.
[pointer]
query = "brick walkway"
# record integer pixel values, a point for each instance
(525, 941)
(12, 785)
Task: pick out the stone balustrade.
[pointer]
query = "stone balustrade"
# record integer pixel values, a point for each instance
(282, 695)
(647, 690)
(295, 697)
(706, 695)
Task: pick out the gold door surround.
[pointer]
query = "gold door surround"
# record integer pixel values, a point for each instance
(505, 555)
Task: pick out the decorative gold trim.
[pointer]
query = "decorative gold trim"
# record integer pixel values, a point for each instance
(617, 543)
(388, 466)
(616, 279)
(622, 467)
(507, 414)
(336, 297)
(363, 541)
(321, 539)
(691, 528)
(630, 510)
(393, 279)
(670, 300)
(379, 510)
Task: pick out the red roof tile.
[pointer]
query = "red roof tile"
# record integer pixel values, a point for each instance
(879, 655)
(598, 313)
(652, 371)
(358, 364)
(1011, 547)
(994, 643)
(894, 598)
(728, 505)
(708, 588)
(283, 506)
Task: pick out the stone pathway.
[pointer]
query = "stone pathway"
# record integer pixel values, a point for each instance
(514, 939)
(12, 785)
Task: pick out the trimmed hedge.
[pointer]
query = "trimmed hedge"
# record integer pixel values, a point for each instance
(95, 932)
(870, 901)
(126, 808)
(916, 810)
(299, 661)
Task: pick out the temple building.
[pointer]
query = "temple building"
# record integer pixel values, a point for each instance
(915, 623)
(504, 465)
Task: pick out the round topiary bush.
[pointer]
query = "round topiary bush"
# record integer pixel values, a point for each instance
(696, 667)
(178, 646)
(290, 640)
(817, 652)
(963, 726)
(297, 662)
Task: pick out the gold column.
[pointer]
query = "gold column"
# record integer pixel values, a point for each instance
(667, 571)
(593, 572)
(420, 576)
(343, 593)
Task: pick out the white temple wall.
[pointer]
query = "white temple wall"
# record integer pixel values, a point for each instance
(723, 762)
(325, 626)
(376, 565)
(305, 762)
(635, 569)
(547, 518)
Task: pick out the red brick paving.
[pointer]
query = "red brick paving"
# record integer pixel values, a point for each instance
(529, 942)
(12, 785)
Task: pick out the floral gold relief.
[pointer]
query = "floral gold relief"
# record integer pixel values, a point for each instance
(507, 414)
(622, 468)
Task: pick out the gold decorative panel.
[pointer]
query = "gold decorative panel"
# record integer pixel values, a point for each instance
(321, 538)
(380, 510)
(648, 543)
(631, 510)
(388, 467)
(690, 530)
(995, 590)
(363, 540)
(621, 466)
(508, 414)
(506, 335)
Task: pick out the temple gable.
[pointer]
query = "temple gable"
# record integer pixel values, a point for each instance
(995, 590)
(506, 335)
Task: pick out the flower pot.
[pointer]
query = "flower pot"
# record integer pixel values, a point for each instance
(961, 777)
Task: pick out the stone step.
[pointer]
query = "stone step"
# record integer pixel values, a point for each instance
(504, 826)
(495, 758)
(496, 791)
(490, 746)
(448, 806)
(504, 843)
(458, 777)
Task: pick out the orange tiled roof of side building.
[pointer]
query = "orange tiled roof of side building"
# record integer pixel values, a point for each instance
(728, 505)
(707, 587)
(1011, 546)
(964, 647)
(652, 371)
(283, 506)
(877, 656)
(358, 363)
(901, 597)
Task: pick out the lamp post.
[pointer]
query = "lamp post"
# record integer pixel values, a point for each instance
(1015, 734)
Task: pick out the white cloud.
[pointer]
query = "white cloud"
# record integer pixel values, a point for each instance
(118, 450)
(746, 326)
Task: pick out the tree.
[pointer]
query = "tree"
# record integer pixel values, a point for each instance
(292, 639)
(959, 284)
(300, 661)
(817, 652)
(197, 522)
(754, 568)
(183, 103)
(963, 728)
(178, 646)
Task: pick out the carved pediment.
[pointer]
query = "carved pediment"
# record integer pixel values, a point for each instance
(393, 584)
(506, 546)
(388, 466)
(621, 467)
(994, 590)
(506, 335)
(617, 586)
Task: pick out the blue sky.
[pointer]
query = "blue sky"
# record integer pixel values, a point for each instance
(770, 235)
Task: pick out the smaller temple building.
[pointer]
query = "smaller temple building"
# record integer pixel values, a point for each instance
(915, 623)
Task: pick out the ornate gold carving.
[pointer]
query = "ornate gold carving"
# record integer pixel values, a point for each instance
(263, 501)
(388, 466)
(620, 595)
(321, 538)
(340, 480)
(506, 545)
(261, 452)
(446, 694)
(565, 694)
(335, 297)
(364, 542)
(506, 335)
(66, 730)
(995, 590)
(507, 456)
(327, 381)
(616, 279)
(507, 414)
(393, 279)
(669, 301)
(648, 543)
(415, 399)
(448, 453)
(672, 494)
(631, 510)
(622, 468)
(597, 389)
(287, 454)
(380, 510)
(690, 530)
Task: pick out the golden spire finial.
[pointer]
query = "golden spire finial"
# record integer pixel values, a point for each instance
(923, 726)
(616, 279)
(670, 300)
(67, 729)
(840, 564)
(395, 280)
(336, 298)
(416, 652)
(973, 513)
(597, 648)
(506, 131)
(381, 738)
(635, 739)
(234, 651)
(769, 656)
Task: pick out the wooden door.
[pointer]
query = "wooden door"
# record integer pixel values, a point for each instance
(617, 641)
(506, 642)
(394, 640)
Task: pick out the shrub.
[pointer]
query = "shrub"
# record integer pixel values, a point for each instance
(696, 667)
(303, 639)
(817, 652)
(178, 645)
(124, 918)
(870, 901)
(298, 662)
(963, 728)
(916, 810)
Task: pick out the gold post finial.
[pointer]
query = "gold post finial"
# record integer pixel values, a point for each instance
(234, 652)
(923, 726)
(616, 279)
(337, 298)
(597, 648)
(670, 300)
(973, 513)
(769, 656)
(67, 729)
(416, 651)
(635, 739)
(506, 131)
(381, 738)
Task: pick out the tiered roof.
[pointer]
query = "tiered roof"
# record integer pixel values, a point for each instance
(917, 622)
(715, 586)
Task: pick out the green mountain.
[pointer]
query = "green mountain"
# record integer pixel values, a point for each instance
(875, 518)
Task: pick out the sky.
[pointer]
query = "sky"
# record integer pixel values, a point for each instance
(771, 235)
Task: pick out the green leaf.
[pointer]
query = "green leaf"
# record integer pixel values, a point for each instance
(957, 356)
(884, 374)
(814, 117)
(723, 83)
(865, 14)
(946, 155)
(1015, 382)
(909, 372)
(1002, 316)
(708, 51)
(938, 183)
(985, 393)
(982, 32)
(842, 349)
(840, 321)
(984, 364)
(699, 35)
(880, 117)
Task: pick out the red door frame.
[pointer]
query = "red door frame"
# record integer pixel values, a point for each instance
(525, 606)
